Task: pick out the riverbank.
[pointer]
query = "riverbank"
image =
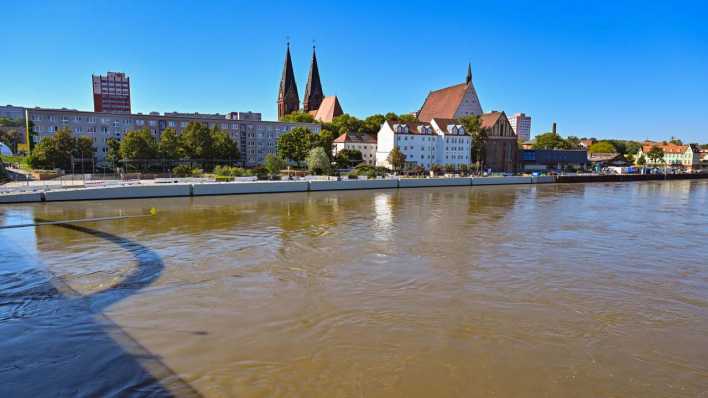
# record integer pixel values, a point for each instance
(182, 189)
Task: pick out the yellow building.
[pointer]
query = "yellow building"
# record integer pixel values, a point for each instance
(684, 157)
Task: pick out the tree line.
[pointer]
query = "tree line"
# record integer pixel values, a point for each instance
(197, 143)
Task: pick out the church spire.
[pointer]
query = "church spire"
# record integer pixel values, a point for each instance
(469, 74)
(288, 98)
(313, 89)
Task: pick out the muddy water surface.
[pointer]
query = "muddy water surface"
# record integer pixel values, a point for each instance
(556, 291)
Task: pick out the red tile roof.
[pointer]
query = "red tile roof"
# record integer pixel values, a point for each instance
(668, 148)
(488, 120)
(355, 138)
(442, 103)
(329, 109)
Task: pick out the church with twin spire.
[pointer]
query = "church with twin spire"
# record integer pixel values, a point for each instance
(322, 108)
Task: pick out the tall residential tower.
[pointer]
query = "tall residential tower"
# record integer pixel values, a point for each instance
(522, 126)
(111, 93)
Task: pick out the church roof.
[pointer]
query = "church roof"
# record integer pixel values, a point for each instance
(442, 103)
(488, 120)
(288, 87)
(313, 89)
(328, 110)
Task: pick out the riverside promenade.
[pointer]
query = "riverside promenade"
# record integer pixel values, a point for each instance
(189, 187)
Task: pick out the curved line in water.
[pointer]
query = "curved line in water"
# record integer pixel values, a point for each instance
(148, 269)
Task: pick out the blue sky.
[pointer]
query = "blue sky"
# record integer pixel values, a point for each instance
(605, 69)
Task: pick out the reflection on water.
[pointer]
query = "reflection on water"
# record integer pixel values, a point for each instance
(556, 290)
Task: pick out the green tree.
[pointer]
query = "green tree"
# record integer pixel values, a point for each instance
(317, 161)
(629, 158)
(551, 141)
(602, 147)
(574, 141)
(10, 137)
(347, 158)
(372, 124)
(274, 163)
(44, 155)
(631, 147)
(169, 145)
(473, 128)
(295, 144)
(65, 144)
(325, 139)
(397, 159)
(196, 142)
(55, 151)
(113, 150)
(138, 145)
(224, 148)
(298, 116)
(656, 154)
(84, 152)
(642, 160)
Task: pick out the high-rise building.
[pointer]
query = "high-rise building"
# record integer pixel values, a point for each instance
(111, 93)
(522, 126)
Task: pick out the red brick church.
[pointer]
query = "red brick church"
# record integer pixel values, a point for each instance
(321, 107)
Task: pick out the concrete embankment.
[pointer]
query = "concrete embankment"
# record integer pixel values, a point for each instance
(628, 177)
(433, 182)
(124, 192)
(352, 184)
(25, 197)
(236, 188)
(239, 188)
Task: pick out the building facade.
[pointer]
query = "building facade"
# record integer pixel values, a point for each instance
(364, 143)
(501, 148)
(681, 157)
(12, 112)
(554, 159)
(451, 102)
(111, 93)
(255, 138)
(442, 141)
(521, 124)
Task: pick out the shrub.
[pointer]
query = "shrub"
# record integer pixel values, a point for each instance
(184, 170)
(229, 171)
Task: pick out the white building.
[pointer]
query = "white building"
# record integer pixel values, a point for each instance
(364, 143)
(442, 141)
(521, 124)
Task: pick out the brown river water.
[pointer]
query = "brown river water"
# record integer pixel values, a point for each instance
(578, 290)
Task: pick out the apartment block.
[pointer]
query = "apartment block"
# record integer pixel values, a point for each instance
(255, 138)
